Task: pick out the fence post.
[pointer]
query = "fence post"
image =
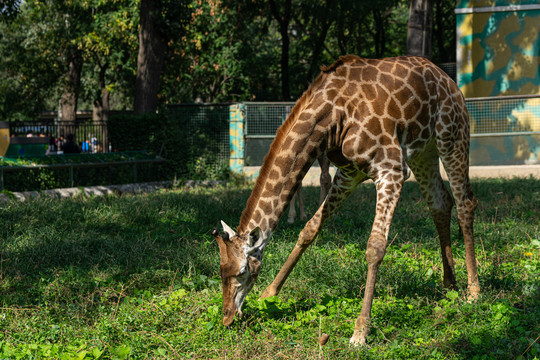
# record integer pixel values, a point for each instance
(71, 176)
(236, 137)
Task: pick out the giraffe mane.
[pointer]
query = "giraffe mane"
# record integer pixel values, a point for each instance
(342, 60)
(279, 140)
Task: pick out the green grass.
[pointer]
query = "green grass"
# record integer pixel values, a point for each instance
(138, 277)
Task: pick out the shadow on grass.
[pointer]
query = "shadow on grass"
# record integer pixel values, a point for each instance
(48, 244)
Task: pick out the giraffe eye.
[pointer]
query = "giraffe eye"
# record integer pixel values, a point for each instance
(242, 272)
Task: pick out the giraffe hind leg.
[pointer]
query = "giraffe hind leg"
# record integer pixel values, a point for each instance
(425, 167)
(466, 204)
(454, 154)
(292, 209)
(389, 188)
(292, 206)
(301, 209)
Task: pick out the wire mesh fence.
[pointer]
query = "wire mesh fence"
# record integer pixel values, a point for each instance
(450, 69)
(263, 119)
(201, 134)
(492, 116)
(262, 122)
(504, 115)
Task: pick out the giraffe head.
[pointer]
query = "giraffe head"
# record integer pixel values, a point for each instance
(240, 265)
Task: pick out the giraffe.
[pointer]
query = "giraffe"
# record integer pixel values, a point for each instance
(375, 119)
(325, 180)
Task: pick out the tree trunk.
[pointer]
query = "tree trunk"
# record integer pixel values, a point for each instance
(380, 33)
(319, 44)
(285, 41)
(152, 46)
(101, 106)
(68, 101)
(436, 32)
(420, 28)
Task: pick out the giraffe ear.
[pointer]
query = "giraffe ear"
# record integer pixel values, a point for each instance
(222, 246)
(254, 236)
(230, 232)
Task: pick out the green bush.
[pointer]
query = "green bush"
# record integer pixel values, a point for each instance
(31, 179)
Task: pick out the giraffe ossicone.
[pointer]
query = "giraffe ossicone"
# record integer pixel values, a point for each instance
(374, 118)
(228, 229)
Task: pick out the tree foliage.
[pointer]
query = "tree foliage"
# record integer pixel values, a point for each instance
(214, 50)
(109, 49)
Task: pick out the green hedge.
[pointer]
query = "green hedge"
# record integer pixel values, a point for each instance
(26, 173)
(42, 179)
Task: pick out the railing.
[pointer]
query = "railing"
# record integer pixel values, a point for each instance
(73, 161)
(205, 133)
(90, 136)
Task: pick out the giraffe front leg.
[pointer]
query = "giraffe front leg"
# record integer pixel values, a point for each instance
(341, 188)
(374, 255)
(325, 179)
(388, 192)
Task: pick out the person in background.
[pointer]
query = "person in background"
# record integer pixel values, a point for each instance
(51, 149)
(70, 147)
(85, 146)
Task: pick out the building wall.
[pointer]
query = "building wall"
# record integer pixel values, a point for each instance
(498, 47)
(498, 55)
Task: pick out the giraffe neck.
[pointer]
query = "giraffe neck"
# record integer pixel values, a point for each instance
(294, 149)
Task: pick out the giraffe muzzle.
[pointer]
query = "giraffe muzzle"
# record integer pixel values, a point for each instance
(228, 316)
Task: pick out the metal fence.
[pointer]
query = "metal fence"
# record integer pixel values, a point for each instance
(91, 136)
(504, 115)
(493, 116)
(201, 133)
(262, 121)
(450, 69)
(202, 136)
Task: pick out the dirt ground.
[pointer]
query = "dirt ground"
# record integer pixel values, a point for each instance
(505, 171)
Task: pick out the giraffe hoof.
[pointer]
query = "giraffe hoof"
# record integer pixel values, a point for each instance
(357, 339)
(268, 293)
(473, 293)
